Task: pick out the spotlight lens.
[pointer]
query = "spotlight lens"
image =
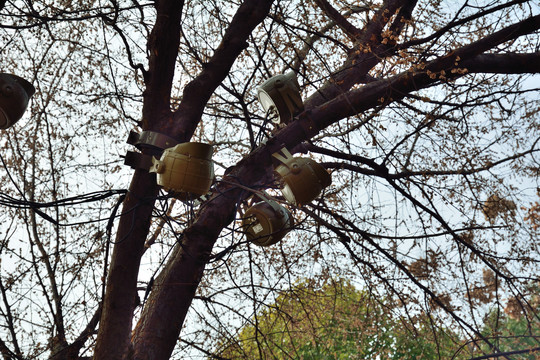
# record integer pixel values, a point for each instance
(266, 101)
(288, 194)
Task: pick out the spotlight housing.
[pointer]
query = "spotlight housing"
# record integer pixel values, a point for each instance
(185, 169)
(266, 222)
(15, 92)
(280, 97)
(303, 179)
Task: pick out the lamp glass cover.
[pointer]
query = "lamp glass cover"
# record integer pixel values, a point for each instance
(269, 106)
(288, 194)
(266, 100)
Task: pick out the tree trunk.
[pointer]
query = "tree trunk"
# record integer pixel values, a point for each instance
(121, 291)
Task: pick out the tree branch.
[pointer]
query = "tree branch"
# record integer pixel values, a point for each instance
(352, 31)
(72, 351)
(504, 63)
(10, 324)
(116, 319)
(162, 46)
(7, 354)
(405, 174)
(177, 283)
(196, 94)
(121, 291)
(449, 66)
(436, 299)
(87, 332)
(455, 23)
(310, 41)
(367, 53)
(507, 353)
(175, 286)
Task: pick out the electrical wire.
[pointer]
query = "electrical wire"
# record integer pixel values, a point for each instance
(9, 201)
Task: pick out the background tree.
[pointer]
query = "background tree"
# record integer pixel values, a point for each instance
(517, 329)
(425, 113)
(335, 320)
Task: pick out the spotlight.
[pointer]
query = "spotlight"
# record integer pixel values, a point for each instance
(266, 222)
(15, 92)
(280, 97)
(185, 169)
(303, 179)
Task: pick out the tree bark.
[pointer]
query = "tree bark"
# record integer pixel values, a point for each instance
(116, 320)
(157, 332)
(121, 291)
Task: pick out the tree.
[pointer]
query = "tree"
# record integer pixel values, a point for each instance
(517, 329)
(425, 113)
(335, 320)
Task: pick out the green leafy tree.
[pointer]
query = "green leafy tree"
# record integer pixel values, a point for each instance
(335, 320)
(516, 330)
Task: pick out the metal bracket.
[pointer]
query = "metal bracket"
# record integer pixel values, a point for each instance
(153, 142)
(137, 160)
(283, 156)
(151, 139)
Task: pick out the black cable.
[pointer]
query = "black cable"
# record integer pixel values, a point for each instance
(10, 201)
(262, 129)
(107, 246)
(37, 211)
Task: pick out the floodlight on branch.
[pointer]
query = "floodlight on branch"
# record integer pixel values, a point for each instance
(186, 169)
(266, 222)
(303, 179)
(15, 93)
(280, 97)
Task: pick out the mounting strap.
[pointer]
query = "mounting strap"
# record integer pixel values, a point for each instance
(151, 139)
(137, 160)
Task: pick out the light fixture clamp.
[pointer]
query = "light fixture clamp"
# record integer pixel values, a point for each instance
(151, 139)
(137, 160)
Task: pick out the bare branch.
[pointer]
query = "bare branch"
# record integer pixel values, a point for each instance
(367, 53)
(162, 45)
(507, 353)
(196, 94)
(10, 325)
(352, 32)
(455, 23)
(504, 63)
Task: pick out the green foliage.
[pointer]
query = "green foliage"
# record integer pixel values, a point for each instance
(518, 328)
(337, 321)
